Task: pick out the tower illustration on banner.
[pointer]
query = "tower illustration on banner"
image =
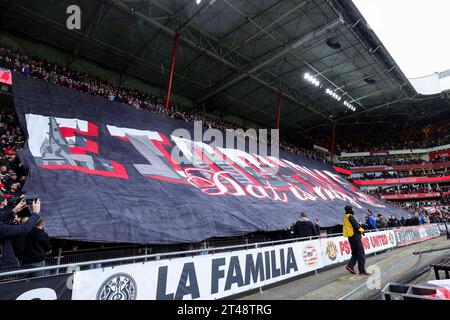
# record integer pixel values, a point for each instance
(58, 150)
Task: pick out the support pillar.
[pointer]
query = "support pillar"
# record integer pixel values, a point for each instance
(176, 41)
(279, 108)
(333, 139)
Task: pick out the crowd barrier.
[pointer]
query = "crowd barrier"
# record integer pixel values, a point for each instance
(200, 274)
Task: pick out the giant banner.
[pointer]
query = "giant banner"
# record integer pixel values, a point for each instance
(107, 172)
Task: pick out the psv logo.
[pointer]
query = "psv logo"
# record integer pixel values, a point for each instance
(310, 255)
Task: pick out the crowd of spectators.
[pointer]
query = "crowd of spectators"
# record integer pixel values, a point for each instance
(393, 138)
(429, 208)
(415, 218)
(64, 76)
(24, 242)
(388, 161)
(405, 189)
(400, 174)
(42, 69)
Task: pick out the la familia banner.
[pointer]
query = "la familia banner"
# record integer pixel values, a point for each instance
(107, 172)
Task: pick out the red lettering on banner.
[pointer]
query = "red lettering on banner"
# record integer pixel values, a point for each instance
(344, 247)
(119, 170)
(70, 132)
(365, 243)
(261, 194)
(301, 194)
(91, 146)
(275, 195)
(373, 240)
(384, 240)
(222, 175)
(84, 162)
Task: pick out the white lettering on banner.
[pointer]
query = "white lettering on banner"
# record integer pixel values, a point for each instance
(75, 144)
(38, 294)
(223, 274)
(205, 276)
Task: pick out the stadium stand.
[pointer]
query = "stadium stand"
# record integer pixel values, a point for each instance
(128, 201)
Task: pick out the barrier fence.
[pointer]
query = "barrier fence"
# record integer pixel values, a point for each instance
(207, 273)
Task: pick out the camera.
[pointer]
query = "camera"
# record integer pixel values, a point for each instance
(30, 201)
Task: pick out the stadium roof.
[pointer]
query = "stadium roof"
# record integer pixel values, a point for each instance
(235, 56)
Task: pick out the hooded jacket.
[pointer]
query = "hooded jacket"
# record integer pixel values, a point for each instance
(304, 228)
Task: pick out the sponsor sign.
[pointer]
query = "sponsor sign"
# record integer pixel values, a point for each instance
(412, 196)
(409, 235)
(219, 275)
(439, 154)
(209, 276)
(444, 228)
(337, 249)
(403, 167)
(379, 153)
(411, 180)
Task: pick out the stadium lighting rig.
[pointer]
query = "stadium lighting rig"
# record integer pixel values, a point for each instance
(311, 79)
(333, 94)
(350, 106)
(328, 91)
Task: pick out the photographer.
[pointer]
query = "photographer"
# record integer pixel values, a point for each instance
(8, 231)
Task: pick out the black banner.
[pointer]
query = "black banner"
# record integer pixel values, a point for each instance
(48, 288)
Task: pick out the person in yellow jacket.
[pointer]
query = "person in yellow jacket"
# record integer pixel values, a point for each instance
(353, 231)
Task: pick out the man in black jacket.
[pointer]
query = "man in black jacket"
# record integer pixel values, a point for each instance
(37, 247)
(8, 231)
(393, 222)
(304, 227)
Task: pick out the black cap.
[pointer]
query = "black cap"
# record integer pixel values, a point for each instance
(349, 209)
